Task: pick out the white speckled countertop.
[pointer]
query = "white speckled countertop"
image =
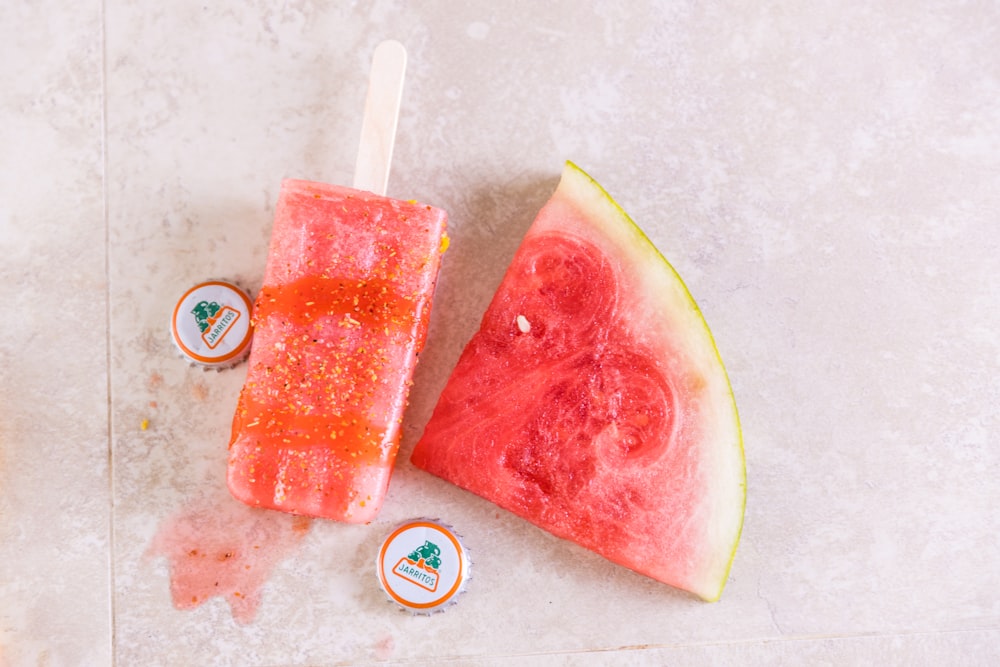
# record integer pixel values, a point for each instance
(825, 176)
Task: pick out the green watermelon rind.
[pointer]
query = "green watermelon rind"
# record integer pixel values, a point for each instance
(596, 205)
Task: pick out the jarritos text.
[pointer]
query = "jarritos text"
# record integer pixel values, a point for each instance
(421, 567)
(214, 321)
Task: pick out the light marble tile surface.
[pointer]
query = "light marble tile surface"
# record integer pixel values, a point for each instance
(55, 502)
(825, 176)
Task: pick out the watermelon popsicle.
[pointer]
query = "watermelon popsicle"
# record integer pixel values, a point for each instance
(339, 322)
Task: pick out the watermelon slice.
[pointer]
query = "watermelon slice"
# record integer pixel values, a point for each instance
(593, 401)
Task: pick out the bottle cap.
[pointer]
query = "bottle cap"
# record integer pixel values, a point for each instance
(211, 324)
(422, 566)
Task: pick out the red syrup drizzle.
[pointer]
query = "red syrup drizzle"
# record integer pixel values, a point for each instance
(225, 549)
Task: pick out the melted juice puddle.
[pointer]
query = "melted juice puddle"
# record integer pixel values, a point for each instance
(225, 549)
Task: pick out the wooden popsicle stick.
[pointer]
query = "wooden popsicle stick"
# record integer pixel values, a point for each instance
(378, 128)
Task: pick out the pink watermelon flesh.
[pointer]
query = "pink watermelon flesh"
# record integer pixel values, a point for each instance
(339, 321)
(593, 403)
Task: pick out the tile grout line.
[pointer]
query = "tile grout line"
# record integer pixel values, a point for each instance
(103, 36)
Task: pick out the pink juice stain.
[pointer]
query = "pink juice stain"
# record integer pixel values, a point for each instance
(225, 549)
(384, 648)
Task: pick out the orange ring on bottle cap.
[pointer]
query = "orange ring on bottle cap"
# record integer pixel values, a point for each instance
(422, 566)
(211, 324)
